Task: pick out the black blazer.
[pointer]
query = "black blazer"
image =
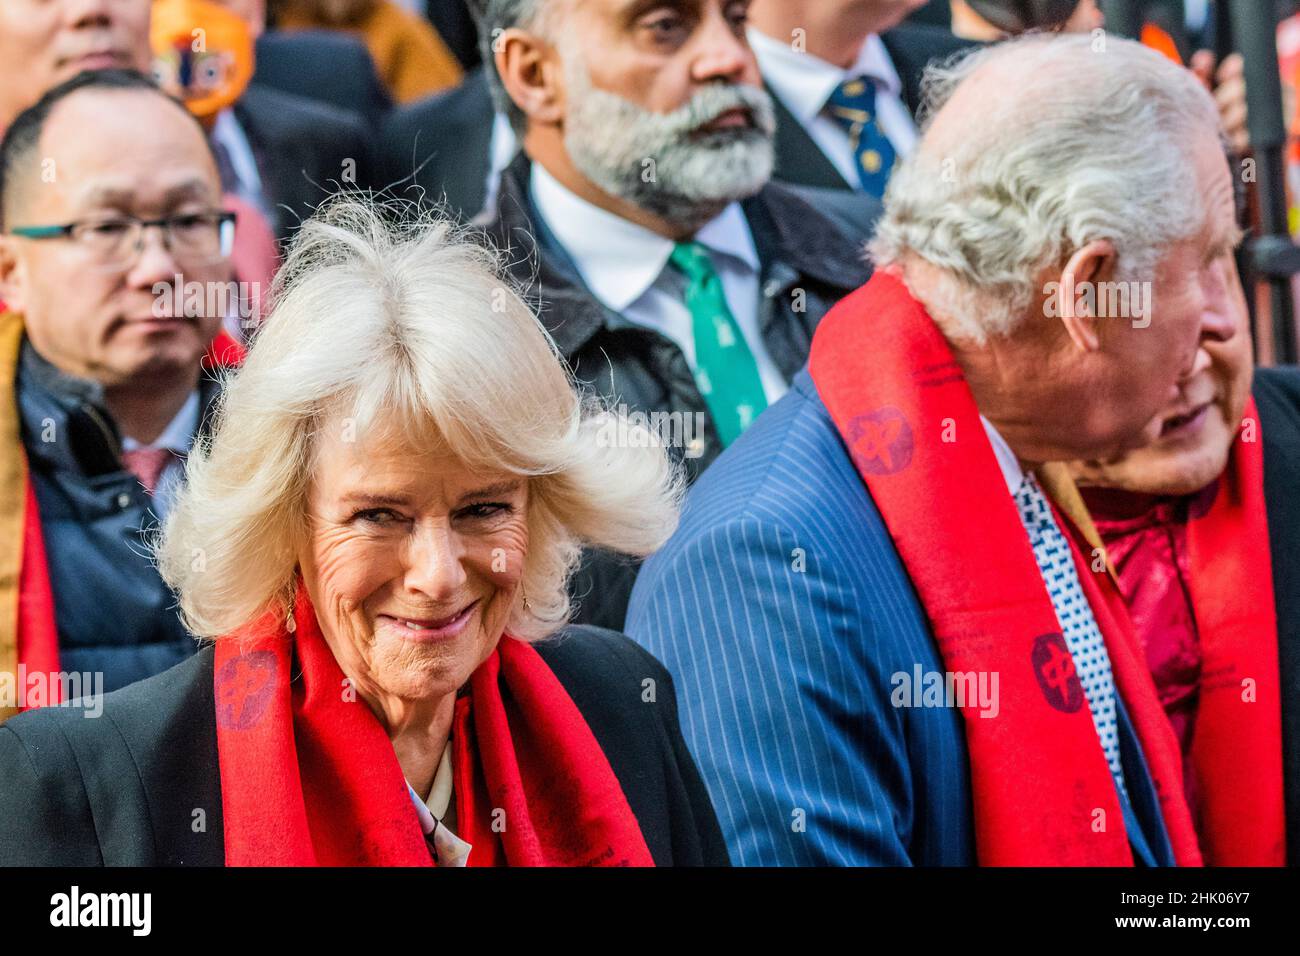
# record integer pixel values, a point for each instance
(1277, 397)
(438, 149)
(305, 150)
(911, 47)
(327, 66)
(140, 785)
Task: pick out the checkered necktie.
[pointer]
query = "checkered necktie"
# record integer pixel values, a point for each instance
(1082, 636)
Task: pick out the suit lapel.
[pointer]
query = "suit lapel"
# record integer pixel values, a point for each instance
(798, 158)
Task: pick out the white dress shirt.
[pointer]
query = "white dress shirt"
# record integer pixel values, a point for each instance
(1012, 473)
(502, 150)
(449, 849)
(227, 131)
(178, 436)
(626, 268)
(804, 83)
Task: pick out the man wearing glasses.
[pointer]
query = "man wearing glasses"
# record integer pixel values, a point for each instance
(109, 199)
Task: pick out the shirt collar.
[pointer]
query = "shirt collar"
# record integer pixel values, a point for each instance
(179, 433)
(227, 131)
(1012, 473)
(805, 82)
(619, 260)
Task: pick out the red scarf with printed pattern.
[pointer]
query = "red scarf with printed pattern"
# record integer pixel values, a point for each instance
(309, 776)
(1042, 792)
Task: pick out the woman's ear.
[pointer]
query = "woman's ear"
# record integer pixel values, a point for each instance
(530, 73)
(1077, 292)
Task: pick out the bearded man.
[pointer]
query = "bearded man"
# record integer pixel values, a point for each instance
(672, 275)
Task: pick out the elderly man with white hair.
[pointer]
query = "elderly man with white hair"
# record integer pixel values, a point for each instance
(897, 641)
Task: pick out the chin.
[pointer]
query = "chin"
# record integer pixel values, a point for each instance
(421, 674)
(430, 669)
(1163, 471)
(181, 350)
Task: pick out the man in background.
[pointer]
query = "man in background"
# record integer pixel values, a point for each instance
(1202, 528)
(113, 257)
(673, 276)
(846, 79)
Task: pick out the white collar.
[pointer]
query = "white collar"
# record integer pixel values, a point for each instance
(179, 433)
(1012, 473)
(618, 259)
(805, 82)
(227, 131)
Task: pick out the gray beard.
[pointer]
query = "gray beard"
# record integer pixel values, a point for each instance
(656, 162)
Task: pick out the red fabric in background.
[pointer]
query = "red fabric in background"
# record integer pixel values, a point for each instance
(1197, 573)
(1237, 742)
(38, 638)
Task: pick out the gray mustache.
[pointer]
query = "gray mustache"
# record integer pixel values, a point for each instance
(712, 101)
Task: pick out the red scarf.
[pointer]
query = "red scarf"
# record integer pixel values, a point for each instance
(308, 778)
(1237, 742)
(38, 636)
(1038, 772)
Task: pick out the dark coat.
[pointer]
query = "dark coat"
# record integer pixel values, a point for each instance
(305, 150)
(1277, 397)
(141, 784)
(806, 266)
(113, 613)
(327, 66)
(910, 46)
(437, 150)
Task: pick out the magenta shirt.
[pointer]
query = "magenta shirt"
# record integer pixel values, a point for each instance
(1146, 541)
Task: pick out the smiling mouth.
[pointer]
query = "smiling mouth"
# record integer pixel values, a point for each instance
(1187, 422)
(430, 628)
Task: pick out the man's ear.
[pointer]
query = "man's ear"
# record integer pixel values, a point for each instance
(530, 73)
(1077, 293)
(13, 278)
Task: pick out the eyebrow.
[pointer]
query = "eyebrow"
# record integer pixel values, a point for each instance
(374, 501)
(500, 489)
(368, 500)
(631, 10)
(114, 196)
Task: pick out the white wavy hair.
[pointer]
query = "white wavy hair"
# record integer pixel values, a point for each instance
(1086, 138)
(411, 325)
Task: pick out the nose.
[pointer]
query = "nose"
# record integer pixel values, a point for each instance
(1220, 321)
(1222, 315)
(88, 13)
(154, 262)
(435, 565)
(722, 52)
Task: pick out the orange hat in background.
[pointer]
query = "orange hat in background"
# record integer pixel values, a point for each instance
(203, 54)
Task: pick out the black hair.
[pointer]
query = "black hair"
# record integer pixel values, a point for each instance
(1020, 16)
(23, 135)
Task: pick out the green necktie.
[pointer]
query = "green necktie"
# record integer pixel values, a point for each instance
(725, 369)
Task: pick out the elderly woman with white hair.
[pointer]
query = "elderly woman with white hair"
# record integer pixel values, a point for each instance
(378, 538)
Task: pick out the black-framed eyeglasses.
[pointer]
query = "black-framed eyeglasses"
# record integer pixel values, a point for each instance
(197, 238)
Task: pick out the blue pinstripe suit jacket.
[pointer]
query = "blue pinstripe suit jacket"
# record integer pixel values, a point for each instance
(782, 610)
